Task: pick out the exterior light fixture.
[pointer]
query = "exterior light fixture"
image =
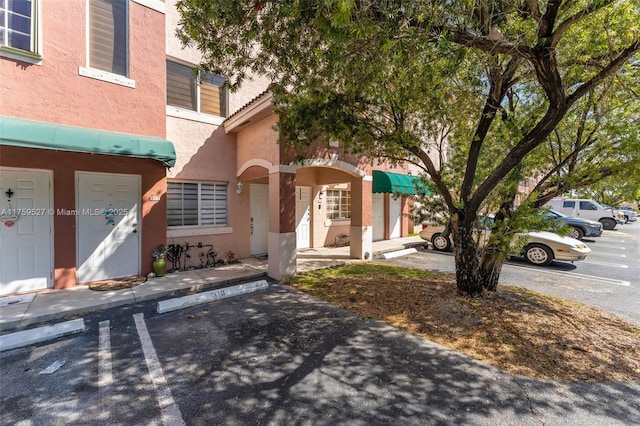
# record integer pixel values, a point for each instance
(239, 187)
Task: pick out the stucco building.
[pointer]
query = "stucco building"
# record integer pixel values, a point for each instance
(110, 145)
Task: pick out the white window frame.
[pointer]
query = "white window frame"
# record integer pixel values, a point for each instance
(342, 215)
(97, 74)
(33, 56)
(199, 224)
(189, 114)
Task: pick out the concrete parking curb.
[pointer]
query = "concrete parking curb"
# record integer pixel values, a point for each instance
(398, 253)
(209, 296)
(40, 334)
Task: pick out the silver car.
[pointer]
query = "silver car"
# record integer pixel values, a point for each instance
(541, 248)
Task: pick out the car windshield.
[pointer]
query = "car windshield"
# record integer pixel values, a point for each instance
(600, 206)
(557, 214)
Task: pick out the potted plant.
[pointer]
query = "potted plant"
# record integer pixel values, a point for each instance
(159, 263)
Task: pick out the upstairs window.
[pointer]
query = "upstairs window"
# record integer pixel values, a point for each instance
(18, 25)
(108, 36)
(196, 91)
(197, 204)
(338, 204)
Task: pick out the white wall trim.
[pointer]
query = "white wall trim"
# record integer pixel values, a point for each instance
(368, 178)
(332, 162)
(199, 231)
(187, 114)
(281, 168)
(156, 5)
(107, 76)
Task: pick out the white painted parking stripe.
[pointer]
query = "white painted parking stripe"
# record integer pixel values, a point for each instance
(613, 265)
(105, 371)
(590, 277)
(40, 334)
(104, 354)
(171, 415)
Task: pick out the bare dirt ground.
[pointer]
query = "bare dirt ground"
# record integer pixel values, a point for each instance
(518, 330)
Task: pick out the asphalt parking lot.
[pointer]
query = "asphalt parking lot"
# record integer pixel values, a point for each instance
(278, 357)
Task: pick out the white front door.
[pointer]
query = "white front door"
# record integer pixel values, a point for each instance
(26, 223)
(108, 226)
(259, 210)
(377, 212)
(395, 213)
(303, 217)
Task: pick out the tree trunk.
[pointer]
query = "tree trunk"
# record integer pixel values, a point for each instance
(476, 269)
(490, 268)
(467, 261)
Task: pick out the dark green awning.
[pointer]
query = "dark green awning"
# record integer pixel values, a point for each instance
(38, 134)
(394, 183)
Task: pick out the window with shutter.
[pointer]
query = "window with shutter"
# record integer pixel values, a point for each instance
(197, 204)
(195, 91)
(108, 36)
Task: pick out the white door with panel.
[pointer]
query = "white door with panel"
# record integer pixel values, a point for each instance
(377, 213)
(303, 217)
(395, 214)
(26, 223)
(259, 220)
(108, 226)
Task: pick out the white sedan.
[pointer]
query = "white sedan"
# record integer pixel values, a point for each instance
(541, 248)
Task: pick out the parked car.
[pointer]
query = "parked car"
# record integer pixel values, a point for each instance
(580, 227)
(542, 248)
(629, 214)
(587, 209)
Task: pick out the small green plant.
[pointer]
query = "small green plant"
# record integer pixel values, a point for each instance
(159, 251)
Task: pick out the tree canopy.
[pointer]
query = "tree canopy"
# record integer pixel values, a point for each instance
(502, 88)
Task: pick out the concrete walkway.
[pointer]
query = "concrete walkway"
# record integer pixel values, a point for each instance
(36, 308)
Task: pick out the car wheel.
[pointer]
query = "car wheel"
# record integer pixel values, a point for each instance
(538, 254)
(440, 242)
(608, 224)
(576, 233)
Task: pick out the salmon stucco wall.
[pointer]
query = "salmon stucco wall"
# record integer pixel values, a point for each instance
(259, 141)
(64, 165)
(55, 92)
(206, 154)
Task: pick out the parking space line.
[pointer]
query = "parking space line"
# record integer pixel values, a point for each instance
(105, 371)
(590, 277)
(104, 353)
(613, 265)
(171, 415)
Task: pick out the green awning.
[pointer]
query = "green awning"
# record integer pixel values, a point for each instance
(394, 183)
(38, 134)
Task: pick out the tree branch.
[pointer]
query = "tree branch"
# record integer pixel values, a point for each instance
(606, 72)
(567, 23)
